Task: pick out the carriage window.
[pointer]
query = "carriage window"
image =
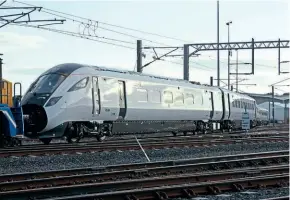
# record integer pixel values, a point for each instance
(168, 97)
(142, 95)
(199, 99)
(155, 96)
(178, 99)
(189, 99)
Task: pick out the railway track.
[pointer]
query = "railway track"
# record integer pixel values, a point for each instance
(266, 131)
(161, 138)
(35, 150)
(189, 177)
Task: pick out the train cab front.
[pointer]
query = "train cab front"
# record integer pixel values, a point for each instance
(35, 101)
(40, 101)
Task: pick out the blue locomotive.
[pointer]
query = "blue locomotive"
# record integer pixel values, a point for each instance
(11, 117)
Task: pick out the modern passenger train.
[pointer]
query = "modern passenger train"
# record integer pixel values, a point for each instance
(262, 116)
(75, 100)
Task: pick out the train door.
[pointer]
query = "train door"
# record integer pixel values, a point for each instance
(229, 102)
(225, 99)
(122, 99)
(96, 97)
(212, 105)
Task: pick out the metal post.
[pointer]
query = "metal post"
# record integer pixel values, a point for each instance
(285, 112)
(139, 56)
(229, 71)
(253, 56)
(273, 107)
(279, 62)
(186, 62)
(237, 71)
(211, 81)
(269, 111)
(229, 52)
(1, 80)
(218, 41)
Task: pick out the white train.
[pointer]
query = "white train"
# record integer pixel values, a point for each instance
(74, 100)
(262, 116)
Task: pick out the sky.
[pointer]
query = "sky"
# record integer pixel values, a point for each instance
(30, 51)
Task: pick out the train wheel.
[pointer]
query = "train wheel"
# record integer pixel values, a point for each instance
(101, 138)
(75, 133)
(174, 133)
(45, 141)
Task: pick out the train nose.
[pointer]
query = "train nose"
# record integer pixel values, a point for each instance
(35, 118)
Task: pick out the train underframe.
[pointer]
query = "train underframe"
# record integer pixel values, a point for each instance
(73, 132)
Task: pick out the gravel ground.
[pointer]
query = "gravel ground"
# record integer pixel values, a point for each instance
(56, 162)
(246, 195)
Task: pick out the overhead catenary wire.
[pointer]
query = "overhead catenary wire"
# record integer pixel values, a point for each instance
(109, 24)
(90, 25)
(72, 34)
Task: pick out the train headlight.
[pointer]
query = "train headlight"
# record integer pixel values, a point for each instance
(52, 101)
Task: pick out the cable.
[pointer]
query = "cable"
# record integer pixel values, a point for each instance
(206, 68)
(72, 34)
(96, 22)
(268, 66)
(108, 24)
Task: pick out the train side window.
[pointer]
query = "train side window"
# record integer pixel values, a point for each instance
(154, 96)
(199, 99)
(141, 95)
(179, 98)
(168, 97)
(189, 99)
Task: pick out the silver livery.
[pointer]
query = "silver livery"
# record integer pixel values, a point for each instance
(75, 100)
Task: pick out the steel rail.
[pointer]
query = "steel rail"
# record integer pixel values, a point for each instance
(165, 184)
(124, 146)
(278, 198)
(224, 168)
(276, 156)
(148, 136)
(185, 190)
(147, 141)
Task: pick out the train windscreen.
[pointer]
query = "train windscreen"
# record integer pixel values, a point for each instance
(47, 83)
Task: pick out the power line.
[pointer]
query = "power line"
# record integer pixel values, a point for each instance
(112, 25)
(74, 34)
(206, 68)
(88, 25)
(261, 65)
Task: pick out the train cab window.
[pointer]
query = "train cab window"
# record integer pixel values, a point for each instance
(47, 83)
(142, 95)
(168, 97)
(154, 96)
